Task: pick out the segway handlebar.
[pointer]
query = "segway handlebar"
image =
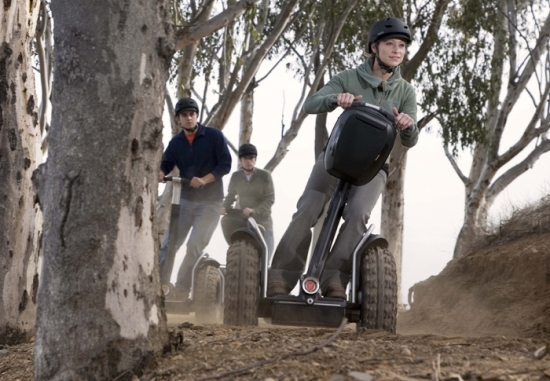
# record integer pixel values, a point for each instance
(386, 114)
(180, 179)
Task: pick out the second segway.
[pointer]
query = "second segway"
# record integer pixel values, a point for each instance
(206, 297)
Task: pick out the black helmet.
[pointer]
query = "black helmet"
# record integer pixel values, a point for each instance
(186, 104)
(247, 149)
(389, 27)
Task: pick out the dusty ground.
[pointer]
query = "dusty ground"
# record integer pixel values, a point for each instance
(485, 317)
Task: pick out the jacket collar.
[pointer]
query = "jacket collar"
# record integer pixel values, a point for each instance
(365, 71)
(200, 131)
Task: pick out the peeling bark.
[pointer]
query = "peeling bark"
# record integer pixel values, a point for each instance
(20, 218)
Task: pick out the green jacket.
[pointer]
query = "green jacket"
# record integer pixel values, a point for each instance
(396, 92)
(257, 194)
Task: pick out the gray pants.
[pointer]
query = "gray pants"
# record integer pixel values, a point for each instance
(291, 254)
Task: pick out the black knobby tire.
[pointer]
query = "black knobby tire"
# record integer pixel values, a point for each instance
(379, 288)
(208, 303)
(242, 284)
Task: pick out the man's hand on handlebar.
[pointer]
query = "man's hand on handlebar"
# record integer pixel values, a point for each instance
(402, 120)
(345, 100)
(161, 177)
(197, 182)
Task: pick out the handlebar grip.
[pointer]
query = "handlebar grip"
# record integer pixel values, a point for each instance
(334, 102)
(386, 114)
(181, 179)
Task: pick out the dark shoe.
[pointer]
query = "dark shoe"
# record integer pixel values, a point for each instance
(277, 288)
(335, 290)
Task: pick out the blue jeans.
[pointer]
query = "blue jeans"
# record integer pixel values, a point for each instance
(201, 218)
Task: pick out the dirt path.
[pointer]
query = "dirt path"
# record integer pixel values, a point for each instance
(501, 292)
(288, 353)
(282, 353)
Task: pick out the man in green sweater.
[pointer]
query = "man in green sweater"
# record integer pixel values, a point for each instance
(251, 190)
(377, 81)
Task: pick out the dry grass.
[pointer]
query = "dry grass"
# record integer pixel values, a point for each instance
(530, 219)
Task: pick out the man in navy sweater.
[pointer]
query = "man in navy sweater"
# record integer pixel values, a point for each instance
(203, 158)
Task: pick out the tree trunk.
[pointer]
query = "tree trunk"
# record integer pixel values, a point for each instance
(247, 112)
(393, 209)
(321, 132)
(100, 311)
(20, 219)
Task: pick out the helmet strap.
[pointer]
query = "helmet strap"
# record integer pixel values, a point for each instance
(385, 68)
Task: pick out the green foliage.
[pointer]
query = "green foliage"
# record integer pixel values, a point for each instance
(460, 74)
(350, 46)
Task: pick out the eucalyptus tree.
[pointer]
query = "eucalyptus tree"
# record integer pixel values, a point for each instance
(20, 136)
(495, 54)
(100, 313)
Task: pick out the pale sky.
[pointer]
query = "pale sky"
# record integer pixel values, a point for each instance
(434, 195)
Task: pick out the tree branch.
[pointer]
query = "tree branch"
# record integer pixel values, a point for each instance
(414, 63)
(465, 180)
(530, 133)
(300, 116)
(522, 80)
(232, 98)
(193, 33)
(513, 173)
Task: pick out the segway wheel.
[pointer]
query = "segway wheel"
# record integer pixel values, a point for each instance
(242, 284)
(379, 288)
(208, 295)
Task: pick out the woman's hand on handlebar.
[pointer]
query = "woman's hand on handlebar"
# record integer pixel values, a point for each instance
(161, 177)
(345, 100)
(247, 212)
(402, 120)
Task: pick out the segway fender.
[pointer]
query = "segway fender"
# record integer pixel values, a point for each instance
(247, 234)
(375, 240)
(209, 262)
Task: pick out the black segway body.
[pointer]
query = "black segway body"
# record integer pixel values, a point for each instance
(359, 145)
